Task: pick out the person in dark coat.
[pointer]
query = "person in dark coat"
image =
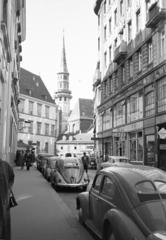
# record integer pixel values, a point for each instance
(6, 183)
(28, 159)
(85, 161)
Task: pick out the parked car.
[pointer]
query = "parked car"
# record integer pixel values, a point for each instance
(125, 203)
(115, 160)
(69, 173)
(40, 159)
(92, 163)
(50, 166)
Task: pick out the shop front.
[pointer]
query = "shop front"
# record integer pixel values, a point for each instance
(161, 142)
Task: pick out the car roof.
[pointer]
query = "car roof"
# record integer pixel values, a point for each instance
(118, 157)
(132, 174)
(113, 164)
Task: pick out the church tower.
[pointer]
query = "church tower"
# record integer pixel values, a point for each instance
(63, 94)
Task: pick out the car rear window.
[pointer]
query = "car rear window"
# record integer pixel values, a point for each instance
(161, 186)
(145, 187)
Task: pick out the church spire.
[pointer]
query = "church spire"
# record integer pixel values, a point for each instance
(63, 65)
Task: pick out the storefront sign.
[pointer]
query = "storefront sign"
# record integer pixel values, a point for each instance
(134, 126)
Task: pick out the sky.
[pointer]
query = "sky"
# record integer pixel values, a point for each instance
(45, 22)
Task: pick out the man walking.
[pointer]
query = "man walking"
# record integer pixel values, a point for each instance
(85, 161)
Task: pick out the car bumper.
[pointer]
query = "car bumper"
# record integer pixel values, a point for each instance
(72, 185)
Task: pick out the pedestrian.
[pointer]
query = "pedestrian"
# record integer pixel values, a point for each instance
(21, 159)
(6, 183)
(85, 161)
(28, 159)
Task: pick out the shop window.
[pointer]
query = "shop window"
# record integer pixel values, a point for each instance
(119, 114)
(136, 147)
(134, 107)
(150, 150)
(149, 104)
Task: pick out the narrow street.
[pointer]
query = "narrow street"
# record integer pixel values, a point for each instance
(41, 212)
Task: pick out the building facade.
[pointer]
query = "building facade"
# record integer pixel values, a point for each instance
(81, 116)
(12, 33)
(130, 80)
(38, 114)
(76, 144)
(63, 94)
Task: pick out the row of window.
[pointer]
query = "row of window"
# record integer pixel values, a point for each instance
(142, 58)
(48, 129)
(31, 108)
(135, 107)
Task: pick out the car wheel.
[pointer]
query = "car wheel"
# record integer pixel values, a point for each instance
(80, 218)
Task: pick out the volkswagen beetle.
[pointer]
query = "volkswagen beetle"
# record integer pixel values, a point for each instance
(125, 203)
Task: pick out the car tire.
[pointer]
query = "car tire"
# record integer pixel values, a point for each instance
(80, 217)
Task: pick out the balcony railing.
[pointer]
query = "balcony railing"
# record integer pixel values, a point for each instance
(120, 52)
(157, 12)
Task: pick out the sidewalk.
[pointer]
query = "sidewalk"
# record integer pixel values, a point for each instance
(41, 214)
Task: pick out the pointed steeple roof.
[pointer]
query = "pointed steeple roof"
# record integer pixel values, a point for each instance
(63, 64)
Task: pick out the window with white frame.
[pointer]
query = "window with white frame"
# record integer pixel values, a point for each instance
(105, 59)
(47, 108)
(138, 21)
(105, 3)
(115, 43)
(162, 43)
(110, 54)
(31, 107)
(105, 32)
(139, 60)
(46, 147)
(130, 64)
(110, 25)
(46, 129)
(38, 128)
(30, 128)
(150, 51)
(129, 31)
(115, 17)
(123, 73)
(21, 105)
(161, 95)
(99, 20)
(52, 130)
(121, 8)
(129, 3)
(98, 44)
(39, 109)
